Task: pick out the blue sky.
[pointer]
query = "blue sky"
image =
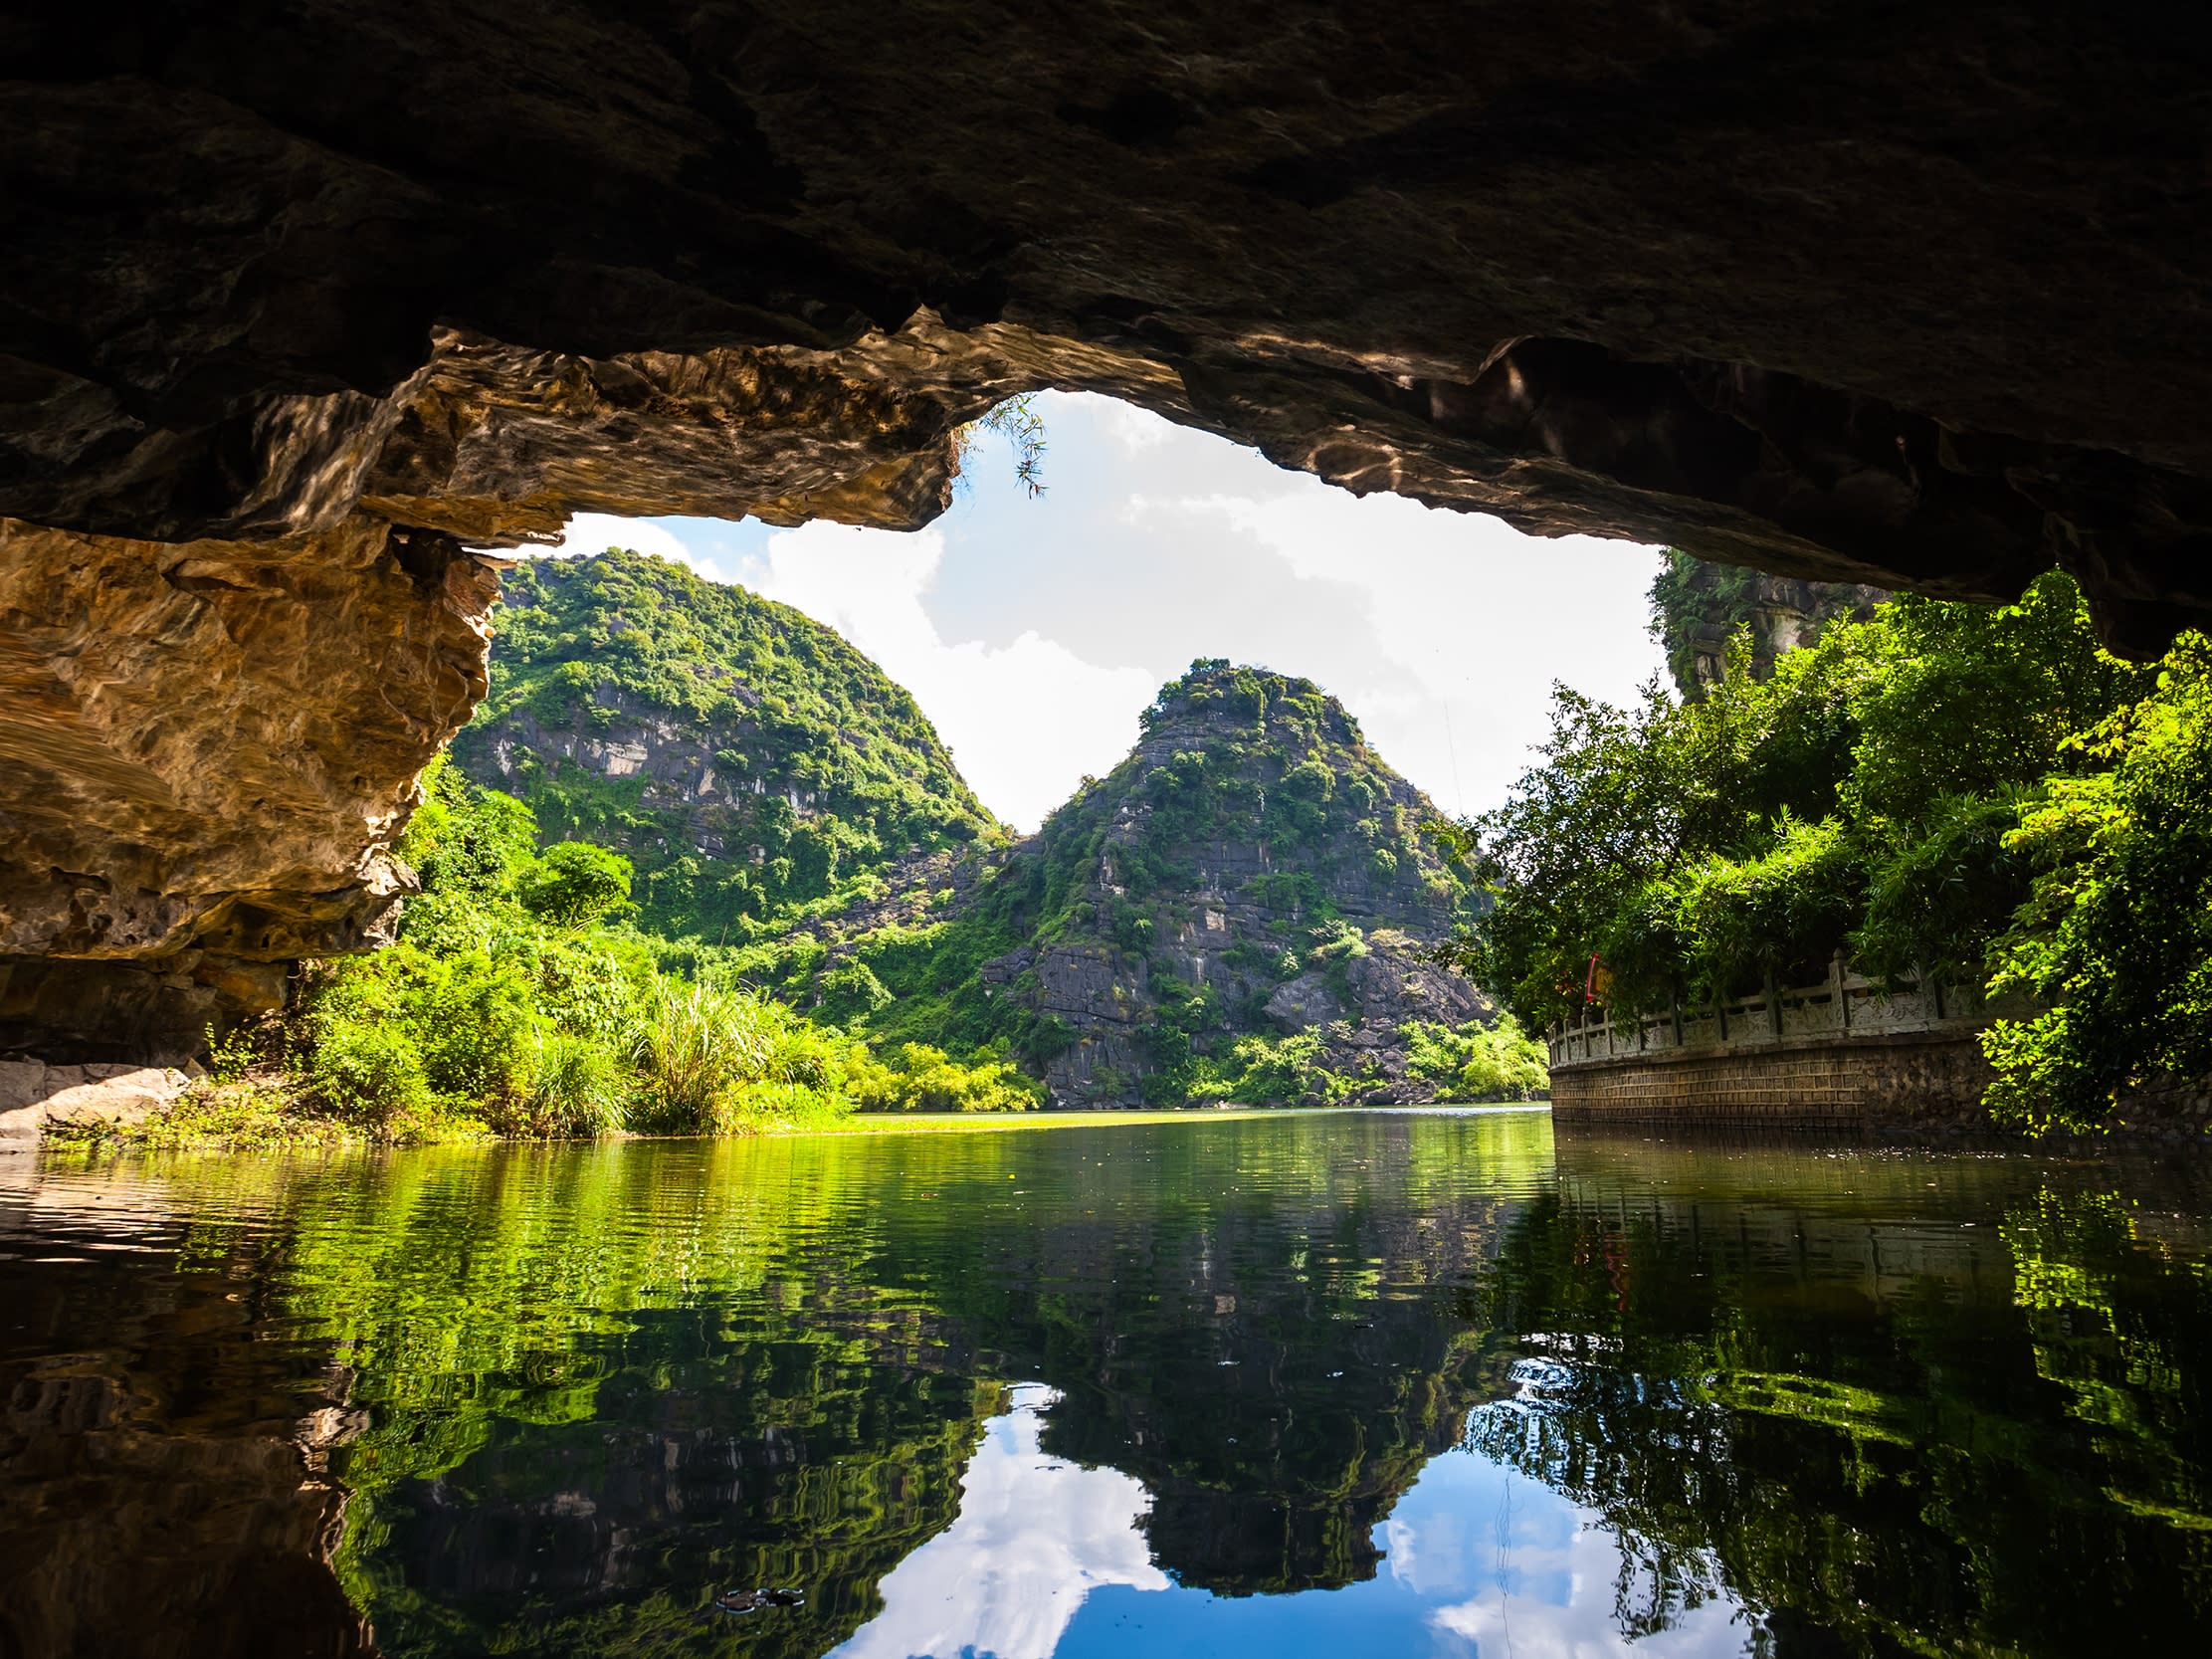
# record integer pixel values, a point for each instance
(1032, 631)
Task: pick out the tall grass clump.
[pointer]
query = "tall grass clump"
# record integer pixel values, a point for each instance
(570, 1086)
(715, 1061)
(697, 1048)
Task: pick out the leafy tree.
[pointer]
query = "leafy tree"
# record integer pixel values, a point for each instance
(2116, 935)
(513, 1004)
(1476, 1062)
(573, 883)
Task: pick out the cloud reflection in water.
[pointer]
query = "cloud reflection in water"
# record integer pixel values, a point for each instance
(1035, 1536)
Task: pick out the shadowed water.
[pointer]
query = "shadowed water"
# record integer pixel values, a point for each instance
(1319, 1383)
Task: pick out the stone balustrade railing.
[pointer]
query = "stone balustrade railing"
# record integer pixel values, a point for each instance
(1847, 1007)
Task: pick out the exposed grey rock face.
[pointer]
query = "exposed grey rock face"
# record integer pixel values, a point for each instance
(1699, 607)
(33, 1093)
(1303, 1001)
(1197, 907)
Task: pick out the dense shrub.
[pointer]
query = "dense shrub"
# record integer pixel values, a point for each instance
(2116, 935)
(1476, 1062)
(569, 1086)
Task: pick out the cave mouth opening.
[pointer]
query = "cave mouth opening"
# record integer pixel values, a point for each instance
(224, 732)
(1037, 616)
(308, 302)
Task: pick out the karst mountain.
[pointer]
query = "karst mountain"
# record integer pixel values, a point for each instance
(1244, 908)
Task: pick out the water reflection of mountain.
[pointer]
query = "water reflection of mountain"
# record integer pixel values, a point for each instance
(1276, 1384)
(1268, 1371)
(701, 1468)
(1876, 1403)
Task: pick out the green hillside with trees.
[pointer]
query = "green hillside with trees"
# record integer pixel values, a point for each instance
(1977, 791)
(748, 761)
(521, 1000)
(1246, 907)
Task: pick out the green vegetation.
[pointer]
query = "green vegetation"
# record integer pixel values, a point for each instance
(514, 1003)
(1496, 1062)
(796, 827)
(752, 767)
(1976, 792)
(1472, 1063)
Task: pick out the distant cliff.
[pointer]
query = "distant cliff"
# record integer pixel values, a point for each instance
(747, 759)
(1697, 606)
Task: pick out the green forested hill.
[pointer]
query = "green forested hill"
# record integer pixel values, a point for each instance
(747, 759)
(1243, 908)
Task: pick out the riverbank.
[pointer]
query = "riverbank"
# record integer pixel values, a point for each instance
(268, 1114)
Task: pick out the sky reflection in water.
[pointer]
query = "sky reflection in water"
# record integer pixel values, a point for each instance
(1049, 1560)
(1326, 1385)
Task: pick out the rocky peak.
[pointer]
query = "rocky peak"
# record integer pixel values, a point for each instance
(1696, 608)
(1252, 868)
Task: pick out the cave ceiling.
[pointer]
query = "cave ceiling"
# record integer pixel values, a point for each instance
(1895, 294)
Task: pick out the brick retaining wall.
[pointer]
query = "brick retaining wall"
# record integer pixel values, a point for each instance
(1914, 1085)
(1817, 1084)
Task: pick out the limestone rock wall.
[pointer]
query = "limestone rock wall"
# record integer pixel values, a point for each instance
(1699, 607)
(209, 748)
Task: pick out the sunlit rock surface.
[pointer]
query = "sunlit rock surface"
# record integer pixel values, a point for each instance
(1890, 297)
(210, 746)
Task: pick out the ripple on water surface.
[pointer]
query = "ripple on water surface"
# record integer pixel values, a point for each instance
(1357, 1382)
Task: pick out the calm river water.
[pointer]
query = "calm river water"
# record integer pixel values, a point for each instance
(1317, 1384)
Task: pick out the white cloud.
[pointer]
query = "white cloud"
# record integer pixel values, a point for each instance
(1551, 1572)
(1469, 622)
(1024, 720)
(1035, 1536)
(1135, 430)
(595, 532)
